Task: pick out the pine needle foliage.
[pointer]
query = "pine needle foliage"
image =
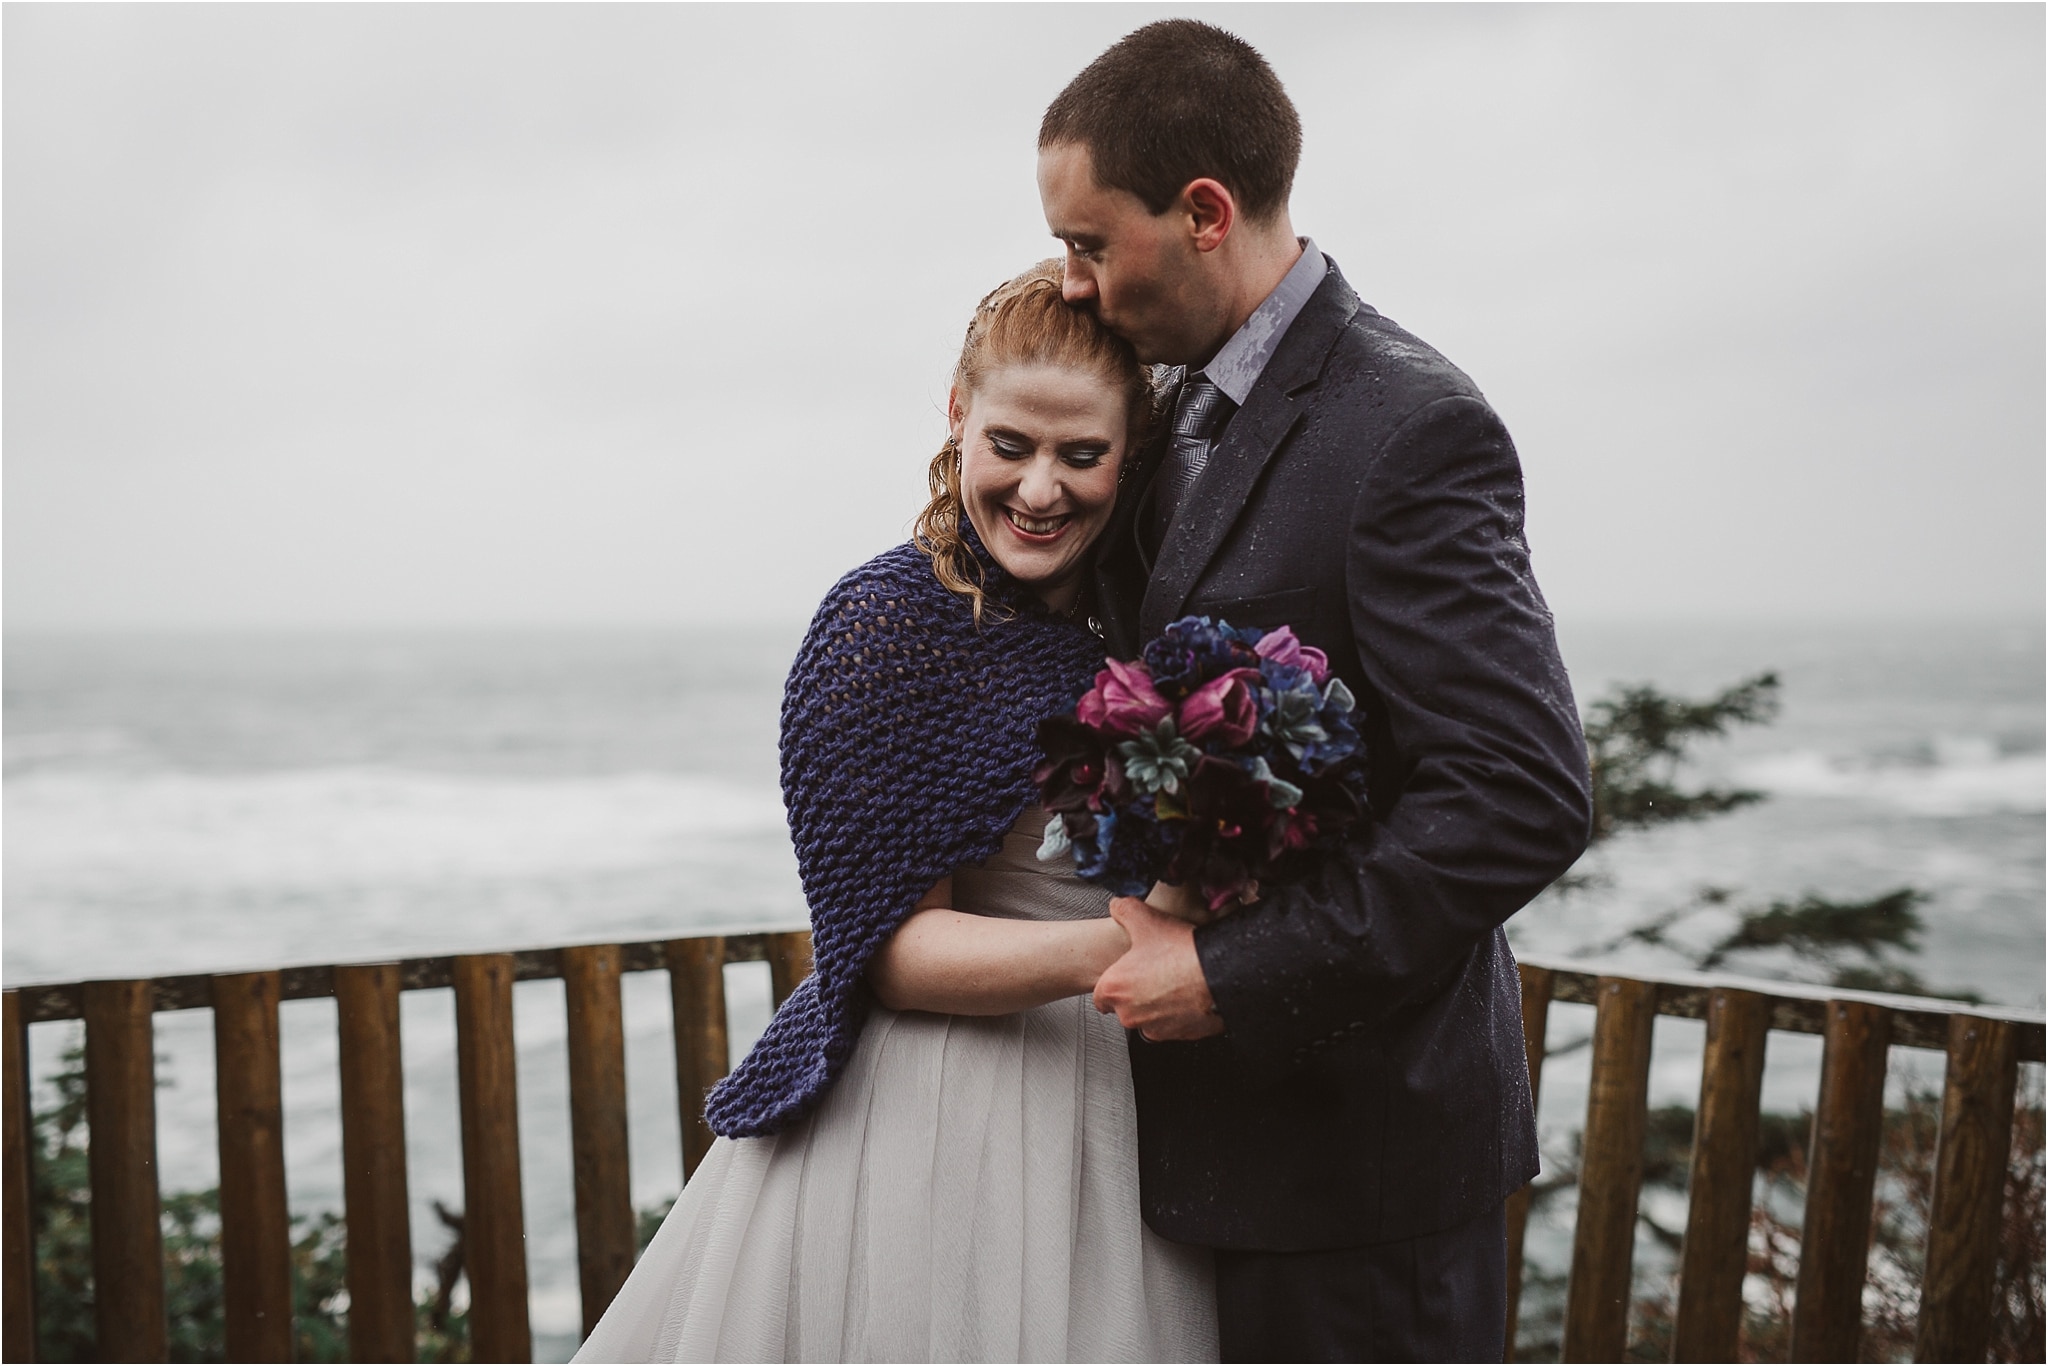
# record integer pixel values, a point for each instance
(1637, 739)
(1814, 925)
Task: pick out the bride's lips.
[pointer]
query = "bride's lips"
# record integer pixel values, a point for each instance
(1037, 530)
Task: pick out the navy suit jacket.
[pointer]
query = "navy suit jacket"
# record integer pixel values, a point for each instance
(1371, 1083)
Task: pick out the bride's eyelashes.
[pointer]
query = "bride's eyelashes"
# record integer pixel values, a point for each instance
(1080, 457)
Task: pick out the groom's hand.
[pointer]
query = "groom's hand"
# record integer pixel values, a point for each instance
(1157, 987)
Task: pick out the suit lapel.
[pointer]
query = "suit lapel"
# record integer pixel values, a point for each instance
(1223, 490)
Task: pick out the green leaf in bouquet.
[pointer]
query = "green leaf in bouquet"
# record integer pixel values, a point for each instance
(1284, 795)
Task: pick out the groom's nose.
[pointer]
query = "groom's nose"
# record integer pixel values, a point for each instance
(1077, 285)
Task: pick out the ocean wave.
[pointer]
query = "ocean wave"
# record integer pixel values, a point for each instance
(35, 749)
(318, 828)
(1958, 776)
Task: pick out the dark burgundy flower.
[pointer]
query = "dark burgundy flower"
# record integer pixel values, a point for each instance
(1075, 765)
(1330, 802)
(1228, 816)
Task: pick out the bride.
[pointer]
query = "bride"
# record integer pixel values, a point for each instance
(931, 1154)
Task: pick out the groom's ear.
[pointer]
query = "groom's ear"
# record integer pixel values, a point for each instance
(1210, 212)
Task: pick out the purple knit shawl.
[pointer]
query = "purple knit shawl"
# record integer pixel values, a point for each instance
(908, 738)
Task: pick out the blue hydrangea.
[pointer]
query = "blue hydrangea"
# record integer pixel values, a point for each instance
(1193, 650)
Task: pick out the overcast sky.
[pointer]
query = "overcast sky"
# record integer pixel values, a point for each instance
(408, 315)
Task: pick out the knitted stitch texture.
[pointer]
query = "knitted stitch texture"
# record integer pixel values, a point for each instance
(908, 738)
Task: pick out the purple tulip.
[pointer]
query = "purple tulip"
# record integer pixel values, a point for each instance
(1223, 709)
(1282, 647)
(1123, 701)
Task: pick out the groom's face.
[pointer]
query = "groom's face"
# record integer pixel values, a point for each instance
(1138, 270)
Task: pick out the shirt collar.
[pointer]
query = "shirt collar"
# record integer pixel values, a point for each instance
(1237, 366)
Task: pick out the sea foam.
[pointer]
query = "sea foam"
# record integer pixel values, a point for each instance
(1961, 776)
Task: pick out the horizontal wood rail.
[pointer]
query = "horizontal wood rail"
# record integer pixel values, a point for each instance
(1917, 1021)
(1984, 1048)
(194, 991)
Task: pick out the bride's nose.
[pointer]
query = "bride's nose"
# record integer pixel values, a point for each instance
(1039, 489)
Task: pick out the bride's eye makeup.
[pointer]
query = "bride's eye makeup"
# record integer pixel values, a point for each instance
(1009, 447)
(1084, 457)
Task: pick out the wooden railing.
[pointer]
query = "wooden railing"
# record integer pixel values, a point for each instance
(1983, 1048)
(127, 1242)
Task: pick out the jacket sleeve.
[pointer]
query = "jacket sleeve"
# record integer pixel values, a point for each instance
(1493, 796)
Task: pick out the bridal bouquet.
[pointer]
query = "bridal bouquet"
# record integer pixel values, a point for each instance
(1217, 759)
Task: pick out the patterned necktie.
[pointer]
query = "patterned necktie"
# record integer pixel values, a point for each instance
(1197, 414)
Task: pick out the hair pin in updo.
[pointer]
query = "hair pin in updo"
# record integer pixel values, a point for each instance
(1051, 271)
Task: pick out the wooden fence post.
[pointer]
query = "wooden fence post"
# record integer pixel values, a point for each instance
(1848, 1124)
(789, 962)
(1611, 1172)
(374, 1192)
(127, 1212)
(1969, 1190)
(1724, 1144)
(696, 983)
(18, 1291)
(494, 1213)
(597, 1114)
(1536, 988)
(255, 1222)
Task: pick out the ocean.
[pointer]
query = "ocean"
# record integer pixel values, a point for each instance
(180, 803)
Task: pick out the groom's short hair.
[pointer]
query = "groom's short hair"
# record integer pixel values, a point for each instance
(1178, 101)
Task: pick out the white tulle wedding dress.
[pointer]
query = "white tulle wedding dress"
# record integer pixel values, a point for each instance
(967, 1191)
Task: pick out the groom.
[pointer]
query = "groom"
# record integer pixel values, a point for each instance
(1332, 1091)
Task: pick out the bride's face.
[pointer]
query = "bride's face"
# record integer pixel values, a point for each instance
(1040, 447)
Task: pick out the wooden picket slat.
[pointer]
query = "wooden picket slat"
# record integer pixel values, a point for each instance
(374, 1189)
(1536, 984)
(597, 1121)
(127, 1235)
(1848, 1124)
(255, 1222)
(494, 1215)
(789, 961)
(1724, 1146)
(696, 983)
(18, 1289)
(1969, 1191)
(1610, 1172)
